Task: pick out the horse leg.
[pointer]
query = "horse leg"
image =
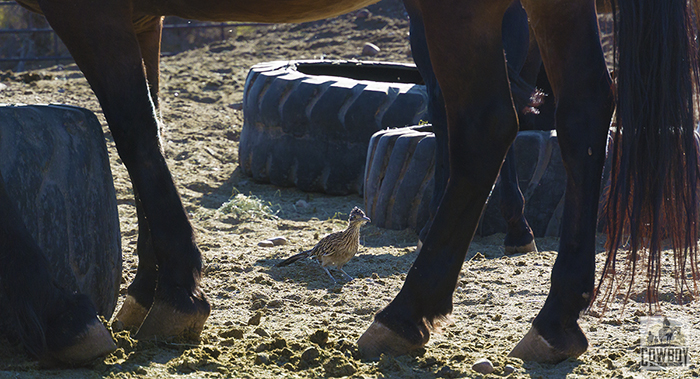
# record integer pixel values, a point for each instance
(516, 40)
(482, 125)
(105, 47)
(519, 237)
(139, 295)
(50, 322)
(568, 38)
(149, 32)
(436, 110)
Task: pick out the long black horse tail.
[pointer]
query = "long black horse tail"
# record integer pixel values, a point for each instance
(294, 258)
(653, 192)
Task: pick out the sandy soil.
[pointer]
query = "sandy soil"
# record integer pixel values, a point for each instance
(293, 321)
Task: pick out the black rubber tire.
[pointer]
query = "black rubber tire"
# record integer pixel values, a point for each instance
(399, 177)
(399, 181)
(55, 166)
(308, 123)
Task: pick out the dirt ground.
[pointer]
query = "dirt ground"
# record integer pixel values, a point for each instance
(293, 321)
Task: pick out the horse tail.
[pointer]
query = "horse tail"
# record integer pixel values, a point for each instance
(653, 190)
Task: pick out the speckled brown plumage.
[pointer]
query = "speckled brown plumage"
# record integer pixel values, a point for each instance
(335, 249)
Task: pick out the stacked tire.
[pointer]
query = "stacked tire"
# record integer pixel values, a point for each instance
(308, 123)
(399, 181)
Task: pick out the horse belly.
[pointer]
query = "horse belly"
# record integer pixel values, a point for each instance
(269, 11)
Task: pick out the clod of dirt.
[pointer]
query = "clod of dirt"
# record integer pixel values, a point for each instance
(320, 337)
(483, 366)
(310, 354)
(339, 366)
(261, 332)
(234, 332)
(448, 372)
(255, 320)
(280, 343)
(262, 347)
(387, 363)
(262, 359)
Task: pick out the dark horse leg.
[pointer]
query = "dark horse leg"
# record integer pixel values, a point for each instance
(567, 33)
(49, 321)
(106, 48)
(436, 109)
(464, 39)
(519, 237)
(139, 295)
(516, 44)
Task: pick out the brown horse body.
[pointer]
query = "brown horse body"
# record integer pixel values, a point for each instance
(116, 43)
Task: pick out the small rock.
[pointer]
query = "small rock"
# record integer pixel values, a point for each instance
(483, 366)
(266, 243)
(302, 204)
(363, 14)
(509, 369)
(236, 106)
(255, 320)
(370, 49)
(262, 359)
(310, 354)
(278, 241)
(261, 332)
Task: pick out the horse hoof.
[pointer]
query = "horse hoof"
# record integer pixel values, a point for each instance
(528, 248)
(534, 348)
(165, 320)
(378, 340)
(131, 313)
(93, 343)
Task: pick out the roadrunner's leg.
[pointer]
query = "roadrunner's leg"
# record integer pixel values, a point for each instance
(346, 274)
(327, 272)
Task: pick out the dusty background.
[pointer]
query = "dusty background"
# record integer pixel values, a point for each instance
(293, 321)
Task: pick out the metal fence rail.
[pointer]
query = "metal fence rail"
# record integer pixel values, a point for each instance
(58, 45)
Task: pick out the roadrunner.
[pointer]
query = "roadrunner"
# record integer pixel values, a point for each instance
(335, 249)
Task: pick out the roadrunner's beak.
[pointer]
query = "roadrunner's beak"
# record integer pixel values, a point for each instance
(366, 219)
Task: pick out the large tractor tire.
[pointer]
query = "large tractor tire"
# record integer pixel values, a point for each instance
(399, 181)
(308, 123)
(55, 166)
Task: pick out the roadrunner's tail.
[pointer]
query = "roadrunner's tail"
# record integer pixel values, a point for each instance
(294, 258)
